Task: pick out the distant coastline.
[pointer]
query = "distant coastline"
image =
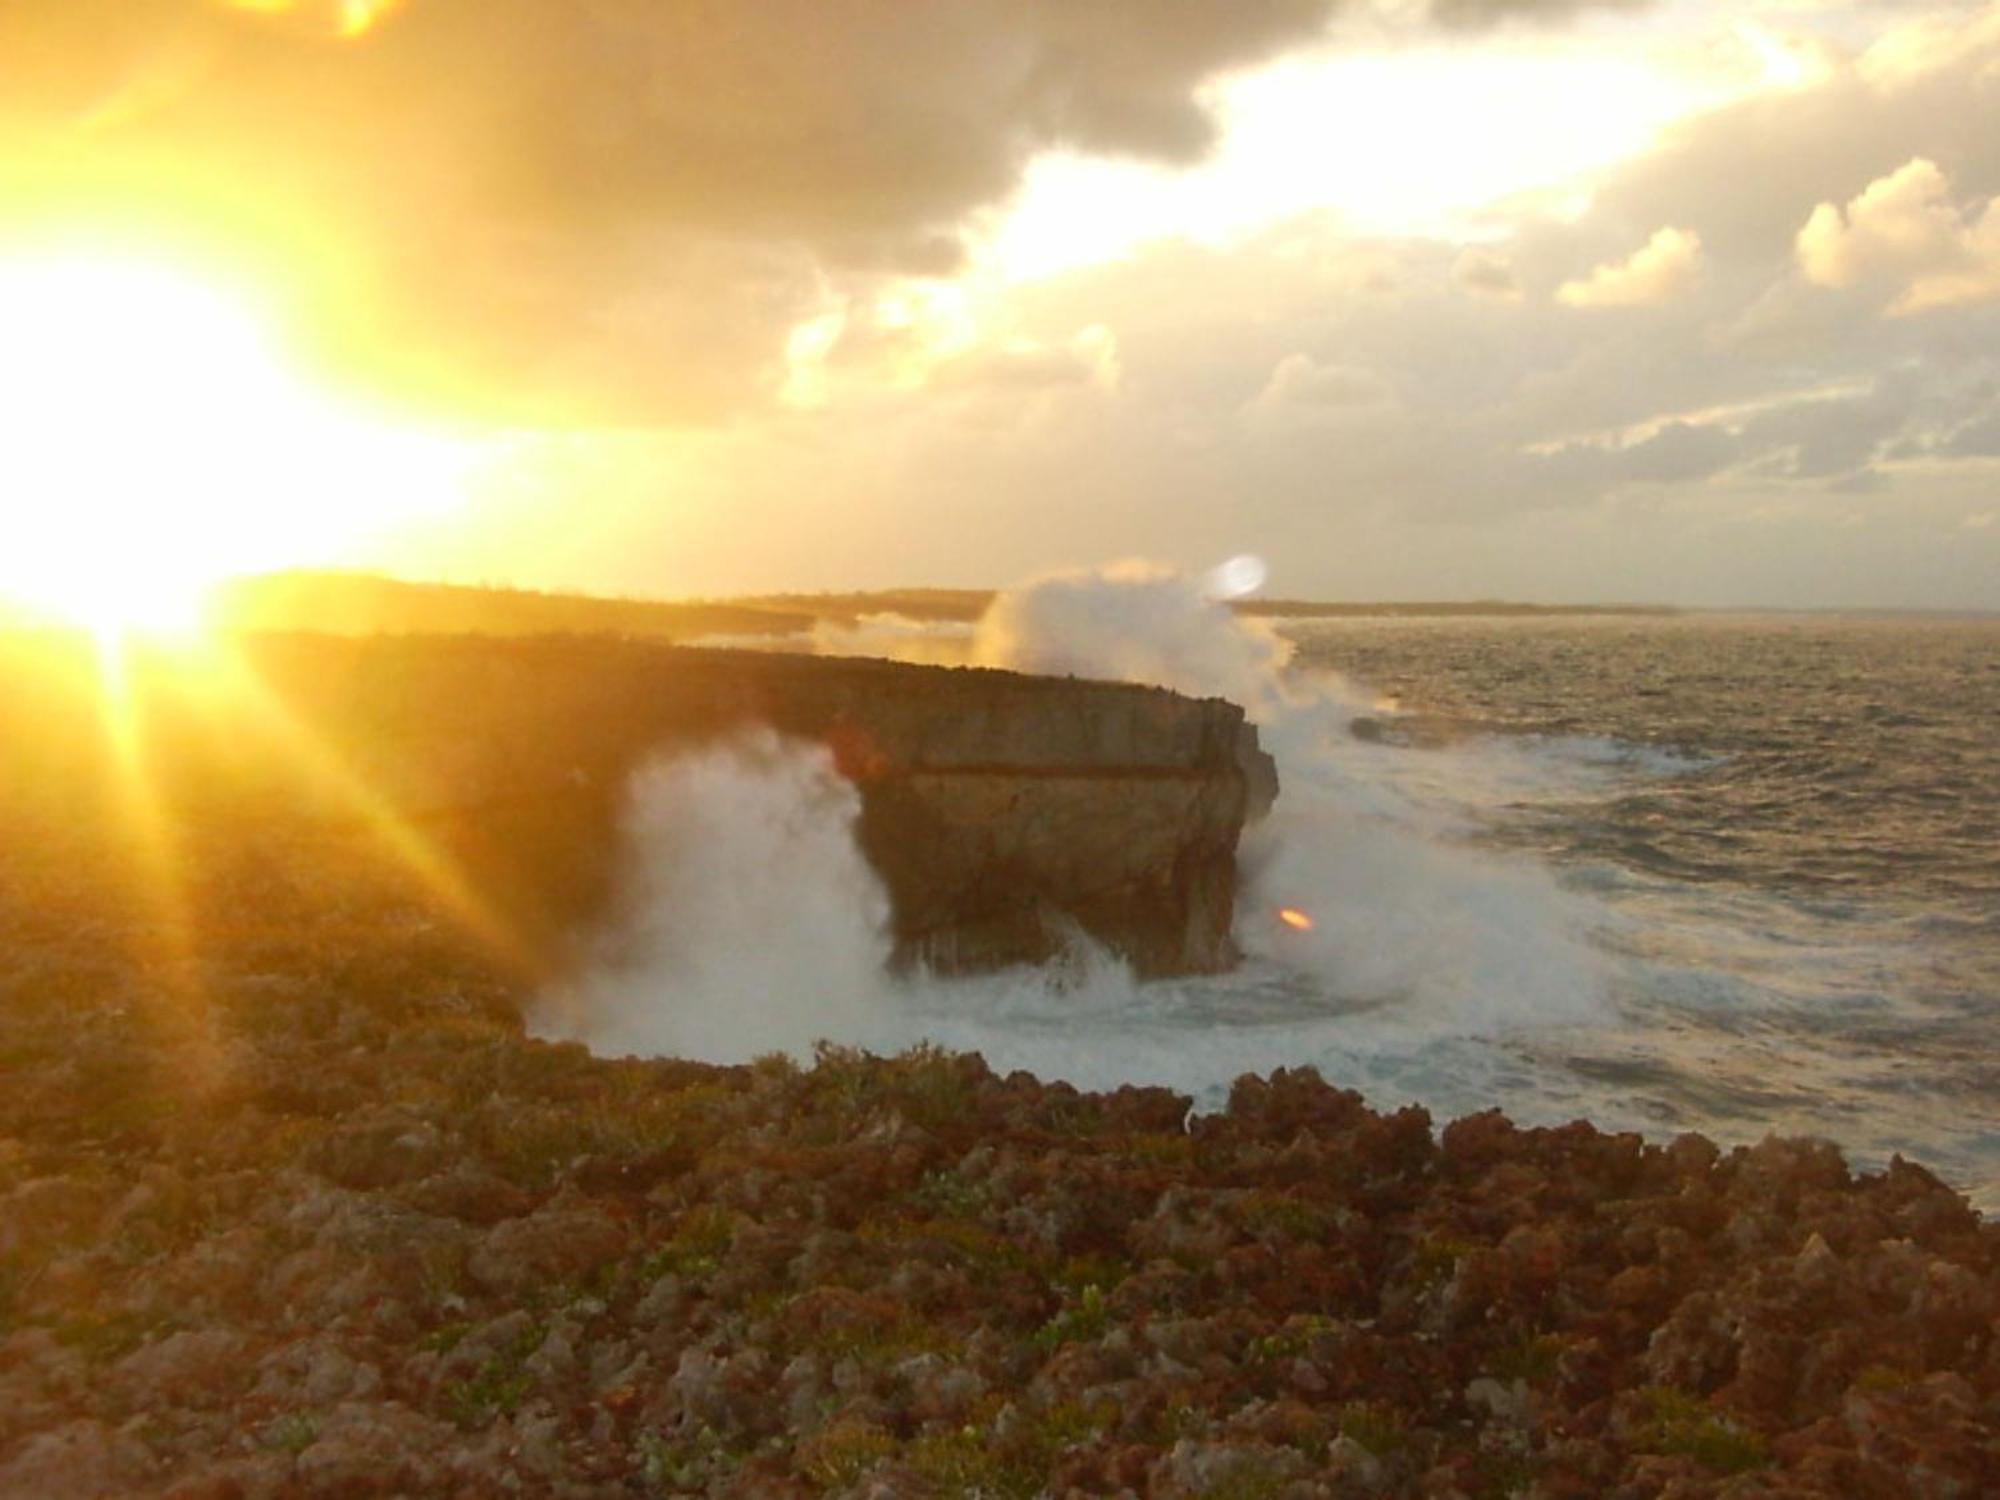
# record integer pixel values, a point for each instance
(363, 603)
(1304, 609)
(357, 603)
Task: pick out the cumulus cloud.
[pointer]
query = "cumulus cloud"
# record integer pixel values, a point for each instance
(1660, 270)
(1529, 449)
(1906, 228)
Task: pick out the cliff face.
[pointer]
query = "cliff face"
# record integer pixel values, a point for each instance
(1001, 811)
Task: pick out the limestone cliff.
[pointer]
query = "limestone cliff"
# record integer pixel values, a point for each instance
(1001, 811)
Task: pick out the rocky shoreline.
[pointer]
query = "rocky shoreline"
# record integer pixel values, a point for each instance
(313, 1217)
(290, 1205)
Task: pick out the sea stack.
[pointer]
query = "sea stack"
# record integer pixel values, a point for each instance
(1004, 813)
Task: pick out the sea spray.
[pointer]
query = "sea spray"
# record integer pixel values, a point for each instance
(750, 922)
(1134, 622)
(1367, 839)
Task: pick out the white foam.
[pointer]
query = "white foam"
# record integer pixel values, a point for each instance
(752, 922)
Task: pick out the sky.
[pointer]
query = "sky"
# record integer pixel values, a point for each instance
(1528, 299)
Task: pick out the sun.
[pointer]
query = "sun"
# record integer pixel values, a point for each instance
(155, 440)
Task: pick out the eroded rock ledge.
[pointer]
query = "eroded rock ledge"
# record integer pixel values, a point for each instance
(1001, 811)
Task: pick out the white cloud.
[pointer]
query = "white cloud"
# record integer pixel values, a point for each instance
(1660, 270)
(1906, 228)
(1300, 381)
(1908, 54)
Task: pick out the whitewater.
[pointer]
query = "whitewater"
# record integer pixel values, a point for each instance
(1729, 874)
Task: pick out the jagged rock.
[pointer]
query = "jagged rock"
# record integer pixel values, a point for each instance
(564, 1240)
(375, 1448)
(82, 1460)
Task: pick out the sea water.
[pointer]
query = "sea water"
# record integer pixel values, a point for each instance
(1737, 874)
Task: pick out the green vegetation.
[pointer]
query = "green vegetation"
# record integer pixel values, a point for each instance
(1376, 1427)
(498, 1386)
(1684, 1423)
(1084, 1321)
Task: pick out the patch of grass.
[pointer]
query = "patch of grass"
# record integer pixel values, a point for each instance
(291, 1432)
(444, 1338)
(16, 1281)
(700, 1241)
(532, 1143)
(1039, 1437)
(1081, 1274)
(964, 1465)
(1167, 1150)
(1535, 1359)
(1437, 1258)
(978, 1247)
(1291, 1338)
(1262, 1478)
(926, 1085)
(1883, 1379)
(1681, 1423)
(948, 1195)
(1374, 1426)
(1282, 1214)
(1083, 1322)
(667, 1467)
(1503, 1476)
(882, 1343)
(840, 1455)
(497, 1387)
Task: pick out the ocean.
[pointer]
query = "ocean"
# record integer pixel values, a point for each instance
(1734, 874)
(1793, 826)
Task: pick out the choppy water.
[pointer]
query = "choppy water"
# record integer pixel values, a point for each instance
(1794, 823)
(1735, 874)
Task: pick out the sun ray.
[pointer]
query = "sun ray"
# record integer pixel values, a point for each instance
(238, 697)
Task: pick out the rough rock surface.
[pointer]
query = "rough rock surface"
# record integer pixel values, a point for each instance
(1001, 811)
(331, 1226)
(289, 1206)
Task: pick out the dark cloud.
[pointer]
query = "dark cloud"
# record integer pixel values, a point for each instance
(1977, 439)
(1471, 14)
(1680, 452)
(596, 201)
(1485, 273)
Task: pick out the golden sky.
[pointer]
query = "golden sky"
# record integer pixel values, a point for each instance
(1679, 301)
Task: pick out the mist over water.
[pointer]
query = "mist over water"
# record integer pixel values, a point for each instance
(1487, 927)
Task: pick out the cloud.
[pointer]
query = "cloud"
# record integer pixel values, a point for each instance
(1681, 451)
(1089, 358)
(1300, 381)
(1663, 268)
(1486, 273)
(1909, 54)
(1905, 227)
(1528, 450)
(622, 207)
(1977, 439)
(1471, 14)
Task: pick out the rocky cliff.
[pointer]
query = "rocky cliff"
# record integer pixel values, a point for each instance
(1002, 812)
